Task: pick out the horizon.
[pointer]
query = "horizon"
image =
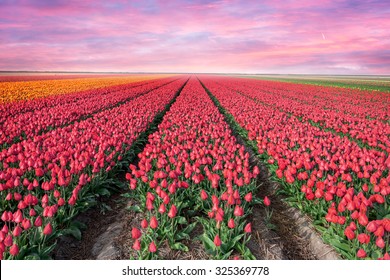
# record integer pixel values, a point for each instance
(215, 37)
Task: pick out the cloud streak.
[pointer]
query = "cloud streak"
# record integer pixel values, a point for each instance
(324, 37)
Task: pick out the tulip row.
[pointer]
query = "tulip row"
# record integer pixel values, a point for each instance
(74, 107)
(15, 108)
(18, 91)
(327, 109)
(46, 180)
(363, 104)
(193, 170)
(46, 76)
(343, 187)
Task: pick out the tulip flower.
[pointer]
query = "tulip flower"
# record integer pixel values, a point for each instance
(135, 233)
(14, 250)
(172, 212)
(267, 201)
(248, 197)
(144, 223)
(248, 228)
(48, 229)
(238, 211)
(380, 242)
(153, 222)
(231, 223)
(137, 245)
(361, 254)
(152, 247)
(203, 195)
(162, 208)
(17, 231)
(38, 221)
(217, 241)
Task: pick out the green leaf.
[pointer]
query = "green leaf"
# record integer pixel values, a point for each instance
(103, 192)
(227, 255)
(79, 225)
(135, 208)
(47, 250)
(180, 246)
(208, 243)
(341, 246)
(190, 228)
(182, 235)
(181, 220)
(32, 256)
(74, 231)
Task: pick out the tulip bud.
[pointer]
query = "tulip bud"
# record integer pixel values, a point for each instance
(380, 242)
(152, 247)
(238, 211)
(172, 212)
(32, 212)
(217, 241)
(8, 240)
(203, 195)
(14, 250)
(26, 224)
(162, 208)
(48, 229)
(137, 245)
(248, 228)
(144, 223)
(153, 222)
(231, 223)
(361, 253)
(267, 201)
(248, 197)
(38, 221)
(17, 231)
(135, 233)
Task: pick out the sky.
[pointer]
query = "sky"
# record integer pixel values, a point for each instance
(279, 37)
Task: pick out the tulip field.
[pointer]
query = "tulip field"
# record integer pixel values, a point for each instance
(189, 150)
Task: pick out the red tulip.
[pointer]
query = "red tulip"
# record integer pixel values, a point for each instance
(17, 231)
(363, 220)
(248, 228)
(162, 208)
(48, 229)
(137, 245)
(8, 240)
(38, 221)
(14, 250)
(172, 212)
(238, 211)
(248, 197)
(217, 241)
(372, 226)
(153, 222)
(349, 233)
(135, 233)
(364, 238)
(26, 224)
(380, 242)
(152, 247)
(144, 223)
(267, 201)
(361, 253)
(231, 223)
(18, 216)
(203, 195)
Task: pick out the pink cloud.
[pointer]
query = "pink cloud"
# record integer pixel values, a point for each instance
(345, 37)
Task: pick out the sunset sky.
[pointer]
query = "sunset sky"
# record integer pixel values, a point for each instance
(312, 37)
